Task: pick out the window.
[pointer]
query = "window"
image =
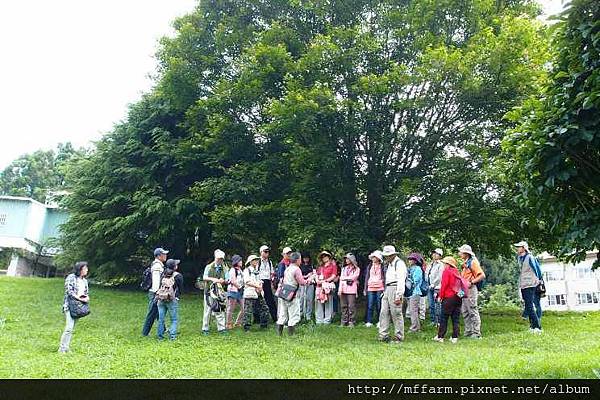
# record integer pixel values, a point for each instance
(584, 272)
(588, 298)
(554, 275)
(2, 219)
(557, 300)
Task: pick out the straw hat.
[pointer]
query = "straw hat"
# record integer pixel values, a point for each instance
(449, 260)
(323, 254)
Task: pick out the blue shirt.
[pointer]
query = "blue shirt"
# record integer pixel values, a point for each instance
(416, 273)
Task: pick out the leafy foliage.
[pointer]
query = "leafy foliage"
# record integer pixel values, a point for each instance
(339, 124)
(553, 152)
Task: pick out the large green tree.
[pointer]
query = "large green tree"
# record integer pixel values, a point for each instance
(553, 152)
(342, 124)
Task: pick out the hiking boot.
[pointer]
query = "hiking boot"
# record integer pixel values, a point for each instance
(279, 329)
(291, 330)
(385, 339)
(397, 340)
(205, 333)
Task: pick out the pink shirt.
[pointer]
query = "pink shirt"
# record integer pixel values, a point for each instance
(349, 273)
(375, 283)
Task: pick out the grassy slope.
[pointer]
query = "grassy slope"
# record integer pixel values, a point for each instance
(108, 344)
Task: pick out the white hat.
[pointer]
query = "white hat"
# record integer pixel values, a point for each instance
(376, 254)
(264, 247)
(219, 254)
(389, 251)
(286, 250)
(251, 258)
(523, 244)
(439, 251)
(465, 248)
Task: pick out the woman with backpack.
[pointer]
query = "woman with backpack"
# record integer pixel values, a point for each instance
(452, 291)
(415, 270)
(75, 303)
(235, 291)
(167, 298)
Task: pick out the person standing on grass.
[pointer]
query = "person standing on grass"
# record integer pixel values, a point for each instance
(76, 287)
(433, 275)
(214, 272)
(391, 302)
(374, 286)
(282, 265)
(254, 299)
(348, 290)
(235, 291)
(473, 273)
(529, 280)
(156, 270)
(415, 269)
(171, 276)
(450, 297)
(307, 293)
(289, 310)
(326, 275)
(267, 275)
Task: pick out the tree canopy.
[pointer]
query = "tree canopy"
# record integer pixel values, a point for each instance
(553, 152)
(342, 124)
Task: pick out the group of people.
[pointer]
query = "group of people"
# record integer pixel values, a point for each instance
(294, 290)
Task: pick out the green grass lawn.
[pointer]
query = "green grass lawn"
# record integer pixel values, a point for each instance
(108, 344)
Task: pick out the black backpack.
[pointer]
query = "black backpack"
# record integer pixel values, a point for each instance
(146, 283)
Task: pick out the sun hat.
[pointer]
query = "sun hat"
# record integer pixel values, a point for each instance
(251, 258)
(449, 260)
(389, 251)
(352, 259)
(324, 253)
(236, 259)
(523, 244)
(219, 254)
(438, 251)
(376, 254)
(417, 257)
(465, 248)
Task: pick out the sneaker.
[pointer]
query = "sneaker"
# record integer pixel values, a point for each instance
(397, 340)
(536, 331)
(368, 325)
(454, 340)
(385, 339)
(223, 332)
(351, 325)
(205, 333)
(378, 325)
(438, 339)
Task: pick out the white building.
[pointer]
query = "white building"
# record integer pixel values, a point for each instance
(573, 287)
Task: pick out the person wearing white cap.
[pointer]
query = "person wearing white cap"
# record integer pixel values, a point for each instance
(155, 270)
(266, 273)
(374, 286)
(289, 310)
(214, 272)
(433, 275)
(391, 302)
(530, 282)
(473, 273)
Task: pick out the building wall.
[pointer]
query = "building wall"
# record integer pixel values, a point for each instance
(13, 218)
(570, 287)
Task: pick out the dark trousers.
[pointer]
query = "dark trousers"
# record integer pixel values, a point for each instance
(151, 315)
(450, 309)
(269, 299)
(530, 297)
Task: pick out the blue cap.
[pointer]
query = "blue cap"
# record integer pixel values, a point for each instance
(158, 251)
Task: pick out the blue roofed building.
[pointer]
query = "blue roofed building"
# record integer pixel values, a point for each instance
(29, 231)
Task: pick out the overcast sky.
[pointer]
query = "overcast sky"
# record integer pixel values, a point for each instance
(69, 68)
